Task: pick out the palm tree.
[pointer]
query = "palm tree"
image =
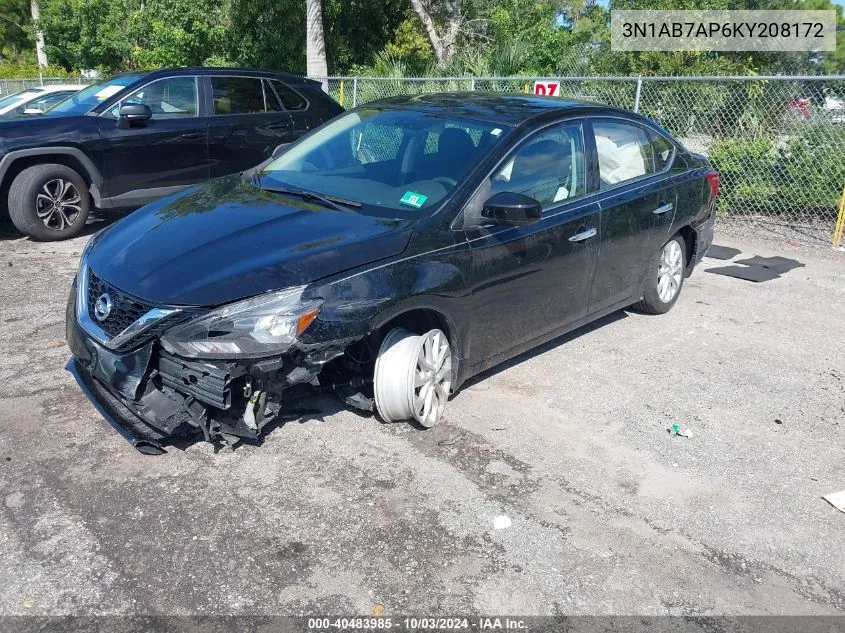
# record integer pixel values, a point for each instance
(39, 34)
(315, 42)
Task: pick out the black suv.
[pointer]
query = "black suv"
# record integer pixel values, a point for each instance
(142, 135)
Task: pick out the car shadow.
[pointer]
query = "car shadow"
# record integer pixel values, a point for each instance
(545, 347)
(96, 220)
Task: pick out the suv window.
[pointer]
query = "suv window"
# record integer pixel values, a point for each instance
(549, 167)
(270, 99)
(171, 97)
(237, 95)
(291, 99)
(624, 150)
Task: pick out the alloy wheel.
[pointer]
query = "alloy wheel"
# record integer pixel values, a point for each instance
(670, 271)
(413, 376)
(58, 204)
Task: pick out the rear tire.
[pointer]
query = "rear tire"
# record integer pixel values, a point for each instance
(49, 202)
(665, 278)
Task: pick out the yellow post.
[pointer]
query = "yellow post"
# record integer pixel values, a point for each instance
(840, 222)
(525, 88)
(341, 92)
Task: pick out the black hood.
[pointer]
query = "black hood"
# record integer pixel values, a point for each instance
(43, 131)
(228, 240)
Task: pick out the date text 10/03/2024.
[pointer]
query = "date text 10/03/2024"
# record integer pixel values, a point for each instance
(418, 624)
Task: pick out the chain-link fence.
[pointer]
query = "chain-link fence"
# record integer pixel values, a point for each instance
(11, 86)
(778, 142)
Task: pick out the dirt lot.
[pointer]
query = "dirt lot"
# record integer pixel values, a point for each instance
(337, 513)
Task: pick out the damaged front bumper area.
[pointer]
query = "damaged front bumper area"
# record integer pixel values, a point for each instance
(154, 398)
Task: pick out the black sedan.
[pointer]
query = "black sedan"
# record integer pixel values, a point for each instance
(389, 255)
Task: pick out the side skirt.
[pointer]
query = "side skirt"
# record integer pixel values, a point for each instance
(544, 338)
(134, 198)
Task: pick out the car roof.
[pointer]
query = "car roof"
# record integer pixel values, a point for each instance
(500, 108)
(215, 70)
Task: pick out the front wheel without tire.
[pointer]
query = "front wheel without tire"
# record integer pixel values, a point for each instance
(413, 376)
(49, 202)
(665, 278)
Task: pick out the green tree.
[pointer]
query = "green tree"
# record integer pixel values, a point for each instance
(358, 29)
(118, 35)
(89, 33)
(15, 30)
(177, 32)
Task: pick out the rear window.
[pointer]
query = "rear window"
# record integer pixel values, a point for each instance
(291, 99)
(237, 95)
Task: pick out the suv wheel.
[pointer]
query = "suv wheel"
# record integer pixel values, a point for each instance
(49, 202)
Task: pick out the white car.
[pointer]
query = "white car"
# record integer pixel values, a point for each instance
(35, 100)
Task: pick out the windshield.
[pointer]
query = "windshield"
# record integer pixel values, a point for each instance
(92, 96)
(14, 98)
(402, 161)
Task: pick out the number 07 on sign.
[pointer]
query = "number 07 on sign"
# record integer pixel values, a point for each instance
(547, 88)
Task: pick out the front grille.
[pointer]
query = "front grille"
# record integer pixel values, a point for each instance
(125, 309)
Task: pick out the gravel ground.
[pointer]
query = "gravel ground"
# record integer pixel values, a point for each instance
(338, 513)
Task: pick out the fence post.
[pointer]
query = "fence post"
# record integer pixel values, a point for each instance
(354, 92)
(340, 99)
(472, 83)
(637, 96)
(840, 222)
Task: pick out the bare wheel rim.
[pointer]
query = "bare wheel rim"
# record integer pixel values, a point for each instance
(432, 378)
(58, 204)
(413, 376)
(670, 271)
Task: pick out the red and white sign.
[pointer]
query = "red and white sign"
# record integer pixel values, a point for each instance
(547, 88)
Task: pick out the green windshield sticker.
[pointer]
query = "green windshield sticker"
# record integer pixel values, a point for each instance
(413, 199)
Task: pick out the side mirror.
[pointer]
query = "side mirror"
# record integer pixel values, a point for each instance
(133, 114)
(512, 209)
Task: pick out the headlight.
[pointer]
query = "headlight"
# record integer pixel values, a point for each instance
(261, 326)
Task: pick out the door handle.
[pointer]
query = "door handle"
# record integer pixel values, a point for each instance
(663, 208)
(583, 235)
(193, 134)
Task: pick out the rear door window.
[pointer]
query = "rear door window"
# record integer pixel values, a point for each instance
(270, 99)
(291, 99)
(237, 95)
(625, 152)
